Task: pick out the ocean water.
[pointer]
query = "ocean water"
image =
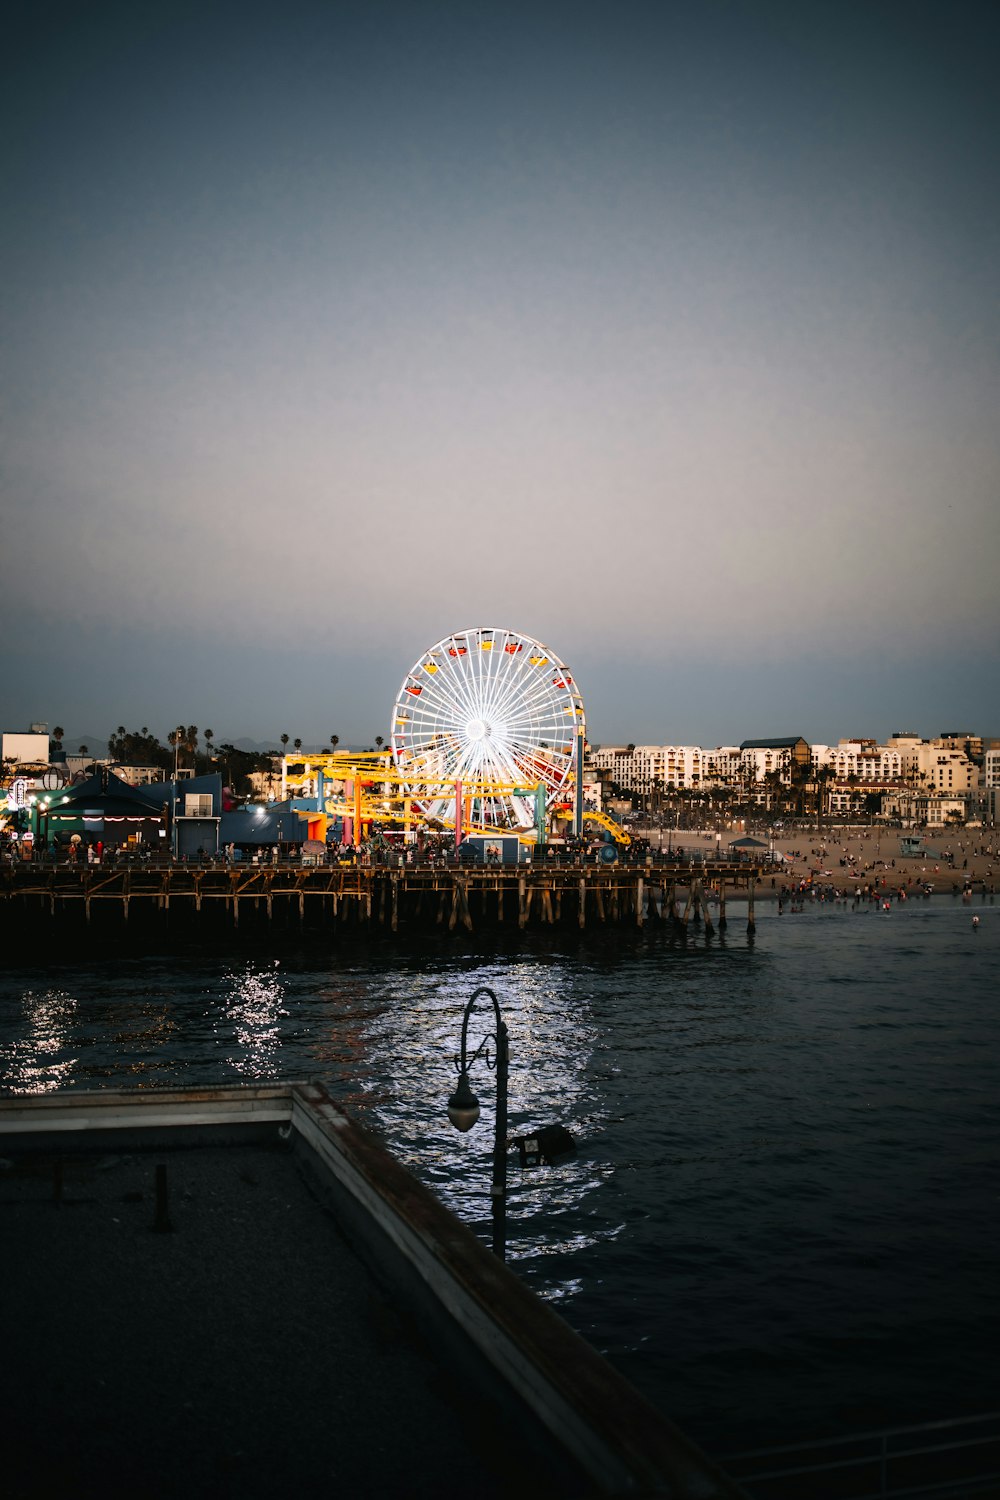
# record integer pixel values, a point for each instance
(783, 1217)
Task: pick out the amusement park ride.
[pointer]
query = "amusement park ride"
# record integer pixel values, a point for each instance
(487, 737)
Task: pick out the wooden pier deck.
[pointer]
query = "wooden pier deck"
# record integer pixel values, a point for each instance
(381, 897)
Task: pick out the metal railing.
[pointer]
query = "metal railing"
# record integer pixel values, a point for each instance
(954, 1458)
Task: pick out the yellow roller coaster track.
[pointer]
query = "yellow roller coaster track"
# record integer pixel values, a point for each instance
(371, 769)
(616, 831)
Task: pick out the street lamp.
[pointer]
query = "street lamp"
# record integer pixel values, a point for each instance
(463, 1108)
(546, 1147)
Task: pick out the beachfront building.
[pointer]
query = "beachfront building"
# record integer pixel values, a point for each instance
(757, 771)
(785, 753)
(972, 745)
(752, 773)
(944, 770)
(864, 759)
(645, 769)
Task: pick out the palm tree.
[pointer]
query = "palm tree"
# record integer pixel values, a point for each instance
(58, 732)
(176, 739)
(824, 775)
(208, 737)
(84, 750)
(379, 741)
(189, 737)
(284, 743)
(334, 742)
(297, 744)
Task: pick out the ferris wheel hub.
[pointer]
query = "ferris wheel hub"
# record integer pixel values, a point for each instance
(478, 729)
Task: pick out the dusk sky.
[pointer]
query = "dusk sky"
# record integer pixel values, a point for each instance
(668, 334)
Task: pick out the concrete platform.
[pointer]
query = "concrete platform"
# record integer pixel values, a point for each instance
(312, 1316)
(247, 1352)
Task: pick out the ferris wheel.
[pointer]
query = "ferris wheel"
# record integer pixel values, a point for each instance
(493, 708)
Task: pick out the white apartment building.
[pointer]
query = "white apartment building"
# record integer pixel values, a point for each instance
(862, 758)
(991, 768)
(644, 768)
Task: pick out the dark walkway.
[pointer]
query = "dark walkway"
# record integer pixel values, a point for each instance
(247, 1353)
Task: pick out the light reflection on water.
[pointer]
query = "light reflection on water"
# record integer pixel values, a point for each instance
(252, 1011)
(37, 1061)
(783, 1150)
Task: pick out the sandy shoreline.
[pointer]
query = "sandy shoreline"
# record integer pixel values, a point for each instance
(953, 859)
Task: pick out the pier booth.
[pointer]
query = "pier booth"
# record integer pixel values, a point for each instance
(477, 847)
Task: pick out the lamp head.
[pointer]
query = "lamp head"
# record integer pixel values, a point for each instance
(463, 1106)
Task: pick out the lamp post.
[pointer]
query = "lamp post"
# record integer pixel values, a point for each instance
(463, 1108)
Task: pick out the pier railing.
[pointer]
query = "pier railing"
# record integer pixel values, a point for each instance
(948, 1459)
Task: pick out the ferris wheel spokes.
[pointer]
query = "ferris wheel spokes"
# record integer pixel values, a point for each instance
(488, 705)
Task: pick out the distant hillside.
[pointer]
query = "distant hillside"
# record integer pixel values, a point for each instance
(97, 744)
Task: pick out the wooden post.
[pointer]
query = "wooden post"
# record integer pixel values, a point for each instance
(583, 902)
(751, 924)
(393, 921)
(639, 913)
(722, 905)
(705, 911)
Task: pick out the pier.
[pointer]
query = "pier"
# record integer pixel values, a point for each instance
(378, 898)
(240, 1291)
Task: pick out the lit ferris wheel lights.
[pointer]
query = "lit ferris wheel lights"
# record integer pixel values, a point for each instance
(492, 707)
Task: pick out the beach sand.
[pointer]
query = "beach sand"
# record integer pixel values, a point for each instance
(952, 858)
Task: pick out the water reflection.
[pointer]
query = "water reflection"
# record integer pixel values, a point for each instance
(253, 1004)
(31, 1063)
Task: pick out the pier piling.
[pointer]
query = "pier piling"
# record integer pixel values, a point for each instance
(292, 897)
